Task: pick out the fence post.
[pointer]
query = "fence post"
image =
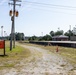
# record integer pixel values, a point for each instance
(4, 47)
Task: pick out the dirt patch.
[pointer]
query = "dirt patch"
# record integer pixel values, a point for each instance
(41, 62)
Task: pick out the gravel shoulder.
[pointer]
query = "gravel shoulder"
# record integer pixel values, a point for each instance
(41, 62)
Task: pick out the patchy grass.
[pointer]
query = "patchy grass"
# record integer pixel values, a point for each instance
(13, 57)
(68, 53)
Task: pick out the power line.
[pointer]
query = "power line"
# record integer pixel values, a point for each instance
(45, 4)
(51, 6)
(54, 7)
(54, 11)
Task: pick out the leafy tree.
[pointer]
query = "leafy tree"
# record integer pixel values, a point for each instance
(19, 36)
(52, 33)
(60, 32)
(29, 39)
(32, 38)
(69, 33)
(47, 37)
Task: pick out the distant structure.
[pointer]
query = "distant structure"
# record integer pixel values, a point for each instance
(74, 30)
(60, 38)
(73, 38)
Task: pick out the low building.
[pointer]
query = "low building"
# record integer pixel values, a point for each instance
(60, 38)
(72, 38)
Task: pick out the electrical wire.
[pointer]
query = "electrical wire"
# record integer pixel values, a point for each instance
(44, 4)
(54, 7)
(53, 11)
(49, 6)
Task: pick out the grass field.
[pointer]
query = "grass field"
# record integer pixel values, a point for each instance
(19, 52)
(20, 59)
(13, 56)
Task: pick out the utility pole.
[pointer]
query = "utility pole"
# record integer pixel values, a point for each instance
(13, 14)
(4, 33)
(69, 32)
(42, 34)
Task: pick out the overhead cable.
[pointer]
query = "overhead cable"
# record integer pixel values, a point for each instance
(46, 4)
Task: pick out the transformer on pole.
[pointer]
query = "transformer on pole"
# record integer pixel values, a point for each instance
(13, 13)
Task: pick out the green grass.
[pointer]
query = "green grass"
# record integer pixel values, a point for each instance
(13, 57)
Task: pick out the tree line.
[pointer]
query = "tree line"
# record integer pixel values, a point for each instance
(49, 36)
(18, 36)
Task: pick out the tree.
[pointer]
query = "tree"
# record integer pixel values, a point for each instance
(52, 33)
(47, 37)
(60, 32)
(69, 33)
(19, 36)
(32, 38)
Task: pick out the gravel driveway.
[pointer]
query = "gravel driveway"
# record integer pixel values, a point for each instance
(41, 62)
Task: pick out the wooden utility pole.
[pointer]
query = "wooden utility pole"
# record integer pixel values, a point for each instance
(13, 14)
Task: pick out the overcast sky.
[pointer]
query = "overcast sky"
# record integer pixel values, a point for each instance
(39, 17)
